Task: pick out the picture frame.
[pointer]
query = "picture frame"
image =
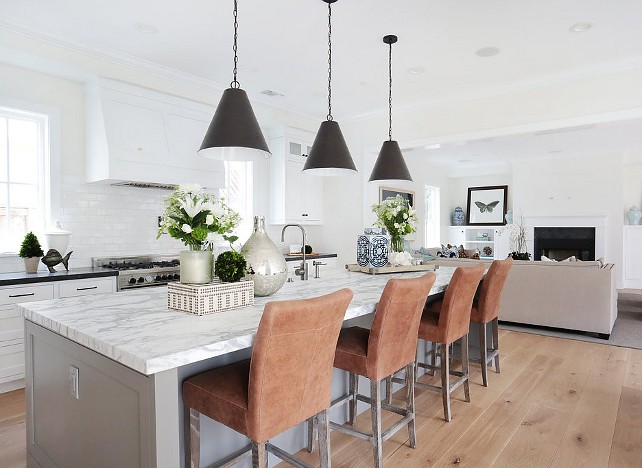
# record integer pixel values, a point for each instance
(487, 206)
(387, 192)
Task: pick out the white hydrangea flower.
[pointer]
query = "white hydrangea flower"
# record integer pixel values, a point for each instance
(186, 228)
(209, 220)
(190, 188)
(215, 238)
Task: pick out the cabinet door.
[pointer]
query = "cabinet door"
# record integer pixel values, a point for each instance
(456, 235)
(502, 244)
(87, 287)
(313, 199)
(632, 256)
(294, 190)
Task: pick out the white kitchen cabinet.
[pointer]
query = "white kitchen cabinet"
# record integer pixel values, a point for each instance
(139, 135)
(294, 197)
(12, 365)
(472, 237)
(632, 257)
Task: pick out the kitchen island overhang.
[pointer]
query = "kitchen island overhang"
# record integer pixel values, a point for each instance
(143, 351)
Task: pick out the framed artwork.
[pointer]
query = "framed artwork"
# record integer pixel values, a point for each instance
(487, 205)
(388, 192)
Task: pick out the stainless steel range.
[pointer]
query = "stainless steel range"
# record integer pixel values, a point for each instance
(141, 271)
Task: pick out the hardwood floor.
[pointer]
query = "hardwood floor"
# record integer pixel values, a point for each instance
(557, 402)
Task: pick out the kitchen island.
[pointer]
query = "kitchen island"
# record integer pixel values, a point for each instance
(104, 373)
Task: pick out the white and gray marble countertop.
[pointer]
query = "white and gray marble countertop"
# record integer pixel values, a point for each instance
(136, 329)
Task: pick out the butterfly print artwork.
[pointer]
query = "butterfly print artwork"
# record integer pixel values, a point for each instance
(483, 207)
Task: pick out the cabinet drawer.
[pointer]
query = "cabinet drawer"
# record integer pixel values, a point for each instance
(17, 294)
(86, 287)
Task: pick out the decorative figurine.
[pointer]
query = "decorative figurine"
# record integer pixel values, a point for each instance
(53, 258)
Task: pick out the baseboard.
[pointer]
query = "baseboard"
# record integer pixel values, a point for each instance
(11, 386)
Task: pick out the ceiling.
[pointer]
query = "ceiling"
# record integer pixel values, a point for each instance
(603, 139)
(282, 44)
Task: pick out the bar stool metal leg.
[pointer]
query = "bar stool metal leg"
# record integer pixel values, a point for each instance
(465, 365)
(495, 327)
(192, 431)
(483, 349)
(410, 403)
(433, 358)
(377, 442)
(259, 455)
(445, 380)
(324, 438)
(312, 433)
(389, 389)
(354, 390)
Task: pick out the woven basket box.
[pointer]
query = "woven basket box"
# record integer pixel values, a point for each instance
(201, 299)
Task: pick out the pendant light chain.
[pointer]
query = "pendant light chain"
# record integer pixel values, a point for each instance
(329, 117)
(390, 93)
(235, 83)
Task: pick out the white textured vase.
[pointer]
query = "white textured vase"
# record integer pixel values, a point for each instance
(196, 266)
(265, 264)
(31, 264)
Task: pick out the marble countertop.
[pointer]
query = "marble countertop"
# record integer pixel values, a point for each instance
(20, 277)
(136, 329)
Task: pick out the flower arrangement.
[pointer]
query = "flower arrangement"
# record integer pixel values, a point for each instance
(517, 240)
(399, 219)
(198, 219)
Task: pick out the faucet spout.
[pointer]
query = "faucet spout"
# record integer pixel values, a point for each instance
(303, 270)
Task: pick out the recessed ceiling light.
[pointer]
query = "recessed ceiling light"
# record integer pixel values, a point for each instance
(145, 28)
(465, 160)
(581, 27)
(554, 151)
(487, 52)
(269, 92)
(433, 146)
(416, 70)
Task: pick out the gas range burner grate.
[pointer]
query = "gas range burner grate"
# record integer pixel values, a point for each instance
(123, 266)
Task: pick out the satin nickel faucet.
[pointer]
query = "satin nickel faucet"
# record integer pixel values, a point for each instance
(302, 271)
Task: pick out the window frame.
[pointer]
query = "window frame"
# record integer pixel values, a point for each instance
(435, 218)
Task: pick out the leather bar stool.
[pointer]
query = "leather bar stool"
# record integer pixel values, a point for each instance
(486, 309)
(387, 347)
(447, 321)
(287, 381)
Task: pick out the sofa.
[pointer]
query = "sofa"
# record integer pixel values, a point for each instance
(579, 296)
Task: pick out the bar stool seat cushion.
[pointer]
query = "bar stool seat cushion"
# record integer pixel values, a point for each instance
(475, 313)
(429, 328)
(352, 350)
(221, 393)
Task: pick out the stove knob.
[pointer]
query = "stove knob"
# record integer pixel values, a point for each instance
(164, 278)
(141, 279)
(158, 278)
(177, 276)
(149, 279)
(132, 280)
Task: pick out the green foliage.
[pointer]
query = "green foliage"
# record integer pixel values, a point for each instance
(396, 216)
(31, 247)
(308, 249)
(230, 267)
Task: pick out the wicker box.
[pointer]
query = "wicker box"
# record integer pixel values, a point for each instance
(201, 299)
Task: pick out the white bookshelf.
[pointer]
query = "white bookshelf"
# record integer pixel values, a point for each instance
(478, 237)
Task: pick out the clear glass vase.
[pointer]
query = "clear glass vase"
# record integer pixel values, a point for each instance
(397, 244)
(196, 266)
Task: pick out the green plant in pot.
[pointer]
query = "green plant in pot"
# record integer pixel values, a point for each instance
(230, 267)
(31, 251)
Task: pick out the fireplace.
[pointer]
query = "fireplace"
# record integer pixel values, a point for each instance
(559, 243)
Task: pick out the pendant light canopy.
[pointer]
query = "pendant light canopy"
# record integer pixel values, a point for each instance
(390, 166)
(329, 154)
(234, 133)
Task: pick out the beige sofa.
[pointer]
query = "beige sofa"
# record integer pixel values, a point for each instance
(572, 295)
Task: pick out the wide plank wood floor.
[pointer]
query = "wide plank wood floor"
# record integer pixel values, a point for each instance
(557, 402)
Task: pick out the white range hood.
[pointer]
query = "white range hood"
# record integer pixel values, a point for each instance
(144, 138)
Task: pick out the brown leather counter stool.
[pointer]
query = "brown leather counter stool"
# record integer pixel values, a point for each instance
(447, 321)
(287, 381)
(377, 353)
(486, 309)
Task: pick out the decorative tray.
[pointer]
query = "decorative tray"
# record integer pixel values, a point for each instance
(391, 269)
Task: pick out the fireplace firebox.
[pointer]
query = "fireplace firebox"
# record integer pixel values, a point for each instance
(559, 243)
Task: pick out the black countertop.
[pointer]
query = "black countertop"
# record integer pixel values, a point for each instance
(8, 279)
(289, 258)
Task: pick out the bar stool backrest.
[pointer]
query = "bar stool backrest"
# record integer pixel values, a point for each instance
(291, 366)
(491, 289)
(454, 317)
(393, 335)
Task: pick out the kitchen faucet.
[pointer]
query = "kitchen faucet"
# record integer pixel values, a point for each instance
(302, 271)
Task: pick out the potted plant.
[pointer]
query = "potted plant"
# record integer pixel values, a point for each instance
(199, 220)
(230, 267)
(517, 241)
(31, 251)
(399, 219)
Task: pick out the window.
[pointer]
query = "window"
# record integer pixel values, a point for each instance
(432, 226)
(238, 194)
(23, 168)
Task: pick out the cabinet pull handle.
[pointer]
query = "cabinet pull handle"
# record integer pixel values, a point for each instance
(21, 295)
(305, 214)
(88, 287)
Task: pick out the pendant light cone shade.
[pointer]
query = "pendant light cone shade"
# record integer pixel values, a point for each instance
(329, 155)
(234, 133)
(390, 165)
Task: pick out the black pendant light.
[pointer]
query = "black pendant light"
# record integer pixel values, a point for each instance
(329, 154)
(390, 166)
(234, 133)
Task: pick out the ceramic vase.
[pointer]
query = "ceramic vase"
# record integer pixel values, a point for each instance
(196, 266)
(31, 264)
(509, 217)
(265, 264)
(458, 217)
(634, 215)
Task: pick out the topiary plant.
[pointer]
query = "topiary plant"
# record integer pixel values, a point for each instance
(230, 266)
(31, 247)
